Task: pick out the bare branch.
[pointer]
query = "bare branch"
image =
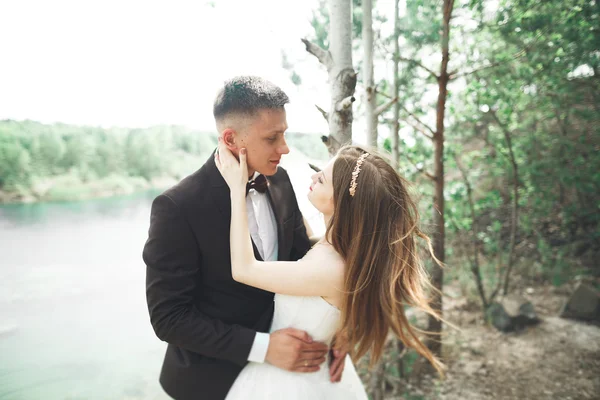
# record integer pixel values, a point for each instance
(345, 103)
(417, 63)
(420, 169)
(323, 112)
(379, 43)
(322, 55)
(418, 128)
(420, 122)
(385, 106)
(516, 56)
(455, 74)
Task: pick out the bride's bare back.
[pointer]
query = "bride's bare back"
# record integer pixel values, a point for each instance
(325, 255)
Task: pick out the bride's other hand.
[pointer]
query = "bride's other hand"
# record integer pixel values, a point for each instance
(233, 171)
(338, 356)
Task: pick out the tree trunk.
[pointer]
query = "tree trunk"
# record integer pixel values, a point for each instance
(396, 89)
(342, 78)
(514, 218)
(475, 269)
(437, 274)
(377, 383)
(401, 350)
(368, 80)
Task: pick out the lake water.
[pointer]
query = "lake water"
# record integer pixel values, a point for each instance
(73, 317)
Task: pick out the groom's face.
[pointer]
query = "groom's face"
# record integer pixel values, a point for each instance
(264, 140)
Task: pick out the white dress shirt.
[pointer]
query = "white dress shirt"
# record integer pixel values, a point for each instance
(263, 230)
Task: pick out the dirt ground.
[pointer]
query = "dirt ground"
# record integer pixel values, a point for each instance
(557, 359)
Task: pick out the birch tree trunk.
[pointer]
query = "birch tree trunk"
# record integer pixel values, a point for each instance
(396, 89)
(368, 80)
(342, 78)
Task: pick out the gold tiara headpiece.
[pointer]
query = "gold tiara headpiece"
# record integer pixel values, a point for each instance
(355, 173)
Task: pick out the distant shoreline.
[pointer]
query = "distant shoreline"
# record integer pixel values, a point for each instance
(85, 191)
(60, 162)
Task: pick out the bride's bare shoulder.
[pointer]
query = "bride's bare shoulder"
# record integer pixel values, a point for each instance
(324, 252)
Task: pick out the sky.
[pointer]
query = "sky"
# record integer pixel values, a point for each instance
(141, 63)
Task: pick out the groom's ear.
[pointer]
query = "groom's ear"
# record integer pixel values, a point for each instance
(230, 139)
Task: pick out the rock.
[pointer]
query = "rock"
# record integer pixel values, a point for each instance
(526, 315)
(498, 316)
(512, 313)
(584, 304)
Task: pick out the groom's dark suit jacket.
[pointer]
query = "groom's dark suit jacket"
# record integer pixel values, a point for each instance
(208, 320)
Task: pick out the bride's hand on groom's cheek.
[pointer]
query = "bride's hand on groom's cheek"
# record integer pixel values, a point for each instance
(294, 350)
(234, 171)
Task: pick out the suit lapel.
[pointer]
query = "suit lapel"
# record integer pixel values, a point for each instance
(219, 190)
(275, 196)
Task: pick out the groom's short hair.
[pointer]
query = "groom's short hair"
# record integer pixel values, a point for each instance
(246, 95)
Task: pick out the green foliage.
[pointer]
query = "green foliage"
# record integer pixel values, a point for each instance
(15, 167)
(309, 145)
(527, 70)
(63, 162)
(320, 24)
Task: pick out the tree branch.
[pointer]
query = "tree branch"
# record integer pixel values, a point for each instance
(455, 74)
(418, 128)
(433, 133)
(411, 61)
(323, 112)
(322, 55)
(385, 106)
(345, 103)
(516, 56)
(420, 169)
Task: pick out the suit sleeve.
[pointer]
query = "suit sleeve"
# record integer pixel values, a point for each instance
(301, 243)
(172, 260)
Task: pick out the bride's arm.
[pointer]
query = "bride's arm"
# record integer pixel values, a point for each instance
(300, 278)
(320, 275)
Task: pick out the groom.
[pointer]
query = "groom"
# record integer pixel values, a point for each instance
(213, 325)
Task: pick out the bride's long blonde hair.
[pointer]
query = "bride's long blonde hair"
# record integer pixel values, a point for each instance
(375, 232)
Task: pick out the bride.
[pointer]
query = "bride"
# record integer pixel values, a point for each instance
(356, 280)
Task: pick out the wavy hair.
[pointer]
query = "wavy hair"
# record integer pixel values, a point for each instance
(375, 232)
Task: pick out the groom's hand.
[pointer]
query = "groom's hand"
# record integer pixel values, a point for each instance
(293, 350)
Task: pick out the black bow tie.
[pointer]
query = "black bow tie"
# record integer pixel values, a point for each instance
(260, 184)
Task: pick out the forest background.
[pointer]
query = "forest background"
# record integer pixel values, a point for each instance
(490, 108)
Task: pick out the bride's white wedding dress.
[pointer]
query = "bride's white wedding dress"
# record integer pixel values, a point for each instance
(263, 381)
